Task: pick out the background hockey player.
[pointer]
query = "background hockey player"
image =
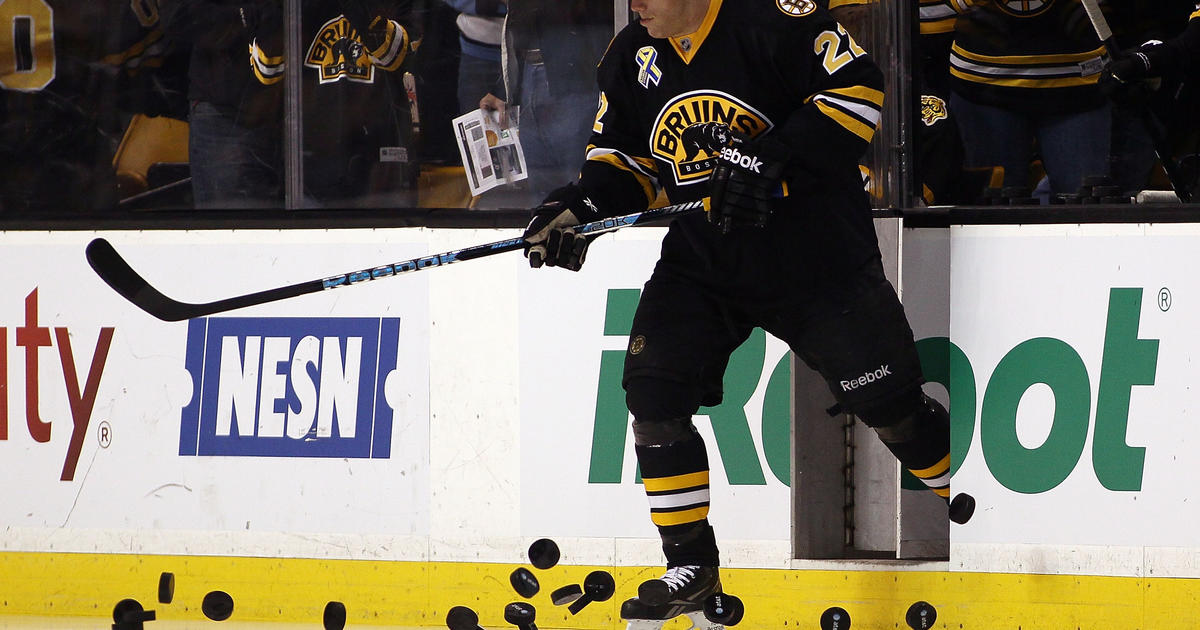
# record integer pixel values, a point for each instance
(767, 107)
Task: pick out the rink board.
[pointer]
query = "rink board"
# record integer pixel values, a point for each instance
(455, 430)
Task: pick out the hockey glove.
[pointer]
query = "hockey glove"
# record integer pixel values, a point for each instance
(551, 241)
(745, 179)
(1130, 77)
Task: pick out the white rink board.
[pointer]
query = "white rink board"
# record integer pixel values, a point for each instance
(1012, 284)
(460, 479)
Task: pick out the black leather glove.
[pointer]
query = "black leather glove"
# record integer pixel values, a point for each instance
(1130, 78)
(551, 241)
(745, 178)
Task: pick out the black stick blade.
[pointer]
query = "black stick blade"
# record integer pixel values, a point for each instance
(117, 273)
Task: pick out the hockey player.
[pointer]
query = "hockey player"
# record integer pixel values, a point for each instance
(766, 106)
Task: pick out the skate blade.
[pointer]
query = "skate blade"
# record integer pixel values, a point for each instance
(699, 622)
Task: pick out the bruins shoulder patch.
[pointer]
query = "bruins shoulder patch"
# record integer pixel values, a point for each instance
(933, 109)
(796, 8)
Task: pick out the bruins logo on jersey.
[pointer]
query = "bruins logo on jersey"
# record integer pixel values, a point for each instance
(933, 109)
(1024, 8)
(338, 53)
(692, 162)
(796, 8)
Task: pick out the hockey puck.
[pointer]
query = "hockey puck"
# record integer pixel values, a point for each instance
(962, 508)
(334, 617)
(835, 618)
(543, 553)
(217, 605)
(524, 582)
(598, 586)
(521, 615)
(130, 611)
(724, 609)
(920, 616)
(166, 587)
(566, 595)
(462, 618)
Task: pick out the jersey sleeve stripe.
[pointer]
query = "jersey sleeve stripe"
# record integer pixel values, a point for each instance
(643, 170)
(849, 122)
(269, 70)
(1028, 60)
(394, 49)
(861, 93)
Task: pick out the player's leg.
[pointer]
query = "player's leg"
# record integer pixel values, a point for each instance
(679, 345)
(863, 346)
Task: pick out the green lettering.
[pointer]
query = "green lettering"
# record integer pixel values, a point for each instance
(777, 421)
(611, 424)
(1054, 363)
(1127, 361)
(730, 426)
(944, 362)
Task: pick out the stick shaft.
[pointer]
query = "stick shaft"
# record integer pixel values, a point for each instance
(118, 274)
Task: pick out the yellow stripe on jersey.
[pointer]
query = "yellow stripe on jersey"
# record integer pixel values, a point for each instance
(833, 4)
(852, 124)
(935, 470)
(666, 519)
(1027, 83)
(394, 49)
(856, 108)
(269, 70)
(1032, 60)
(677, 482)
(1196, 15)
(644, 170)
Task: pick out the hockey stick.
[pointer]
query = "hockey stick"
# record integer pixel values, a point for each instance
(117, 273)
(1104, 32)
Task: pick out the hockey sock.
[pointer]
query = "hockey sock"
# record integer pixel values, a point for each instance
(921, 441)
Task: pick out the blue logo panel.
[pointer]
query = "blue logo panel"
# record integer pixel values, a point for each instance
(289, 387)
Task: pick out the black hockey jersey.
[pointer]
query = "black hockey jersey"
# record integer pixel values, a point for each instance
(779, 67)
(1039, 56)
(355, 109)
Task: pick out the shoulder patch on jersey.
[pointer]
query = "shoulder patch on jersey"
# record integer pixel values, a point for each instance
(933, 109)
(796, 8)
(691, 163)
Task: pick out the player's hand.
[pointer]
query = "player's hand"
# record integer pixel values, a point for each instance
(551, 241)
(745, 180)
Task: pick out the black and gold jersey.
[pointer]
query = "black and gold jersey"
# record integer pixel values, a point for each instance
(779, 67)
(356, 115)
(1028, 55)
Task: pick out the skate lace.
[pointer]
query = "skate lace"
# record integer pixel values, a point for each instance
(678, 577)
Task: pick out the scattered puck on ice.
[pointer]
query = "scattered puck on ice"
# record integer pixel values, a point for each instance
(962, 507)
(166, 587)
(335, 616)
(462, 618)
(920, 616)
(129, 612)
(524, 582)
(835, 618)
(217, 605)
(543, 553)
(521, 615)
(566, 595)
(724, 609)
(598, 586)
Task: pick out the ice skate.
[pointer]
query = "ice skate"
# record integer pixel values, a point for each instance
(679, 592)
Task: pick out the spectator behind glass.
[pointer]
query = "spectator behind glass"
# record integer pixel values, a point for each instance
(357, 122)
(1024, 71)
(234, 121)
(551, 48)
(480, 30)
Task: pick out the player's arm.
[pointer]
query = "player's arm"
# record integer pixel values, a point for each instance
(617, 177)
(384, 26)
(839, 105)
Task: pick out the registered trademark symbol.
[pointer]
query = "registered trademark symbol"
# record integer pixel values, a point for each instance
(104, 434)
(1164, 299)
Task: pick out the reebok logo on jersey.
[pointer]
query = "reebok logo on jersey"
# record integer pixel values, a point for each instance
(745, 160)
(870, 377)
